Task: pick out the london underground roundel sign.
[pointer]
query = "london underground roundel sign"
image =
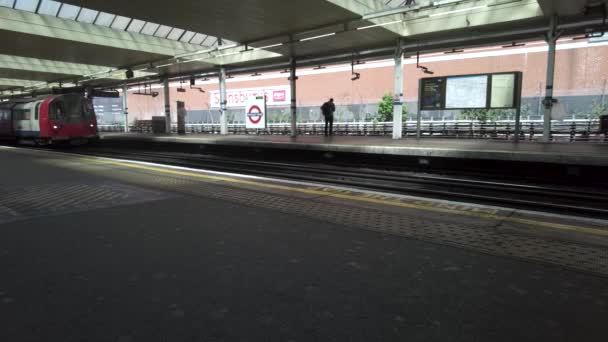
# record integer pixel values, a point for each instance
(255, 112)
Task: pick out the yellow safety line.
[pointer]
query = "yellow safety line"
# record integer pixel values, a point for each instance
(395, 203)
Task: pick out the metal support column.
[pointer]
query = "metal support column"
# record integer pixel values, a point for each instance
(549, 101)
(167, 105)
(398, 97)
(518, 86)
(125, 108)
(223, 102)
(294, 109)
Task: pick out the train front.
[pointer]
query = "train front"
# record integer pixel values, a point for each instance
(70, 118)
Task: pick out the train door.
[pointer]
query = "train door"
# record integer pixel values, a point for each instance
(6, 122)
(35, 119)
(22, 120)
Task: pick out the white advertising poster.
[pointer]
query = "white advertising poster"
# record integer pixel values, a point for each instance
(255, 112)
(503, 91)
(237, 98)
(466, 92)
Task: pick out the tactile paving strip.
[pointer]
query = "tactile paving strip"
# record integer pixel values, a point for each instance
(474, 236)
(60, 198)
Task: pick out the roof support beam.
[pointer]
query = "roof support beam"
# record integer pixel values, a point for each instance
(47, 26)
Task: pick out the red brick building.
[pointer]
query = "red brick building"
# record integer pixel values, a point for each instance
(581, 81)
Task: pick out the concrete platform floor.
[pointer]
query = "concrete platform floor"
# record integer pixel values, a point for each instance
(100, 250)
(561, 153)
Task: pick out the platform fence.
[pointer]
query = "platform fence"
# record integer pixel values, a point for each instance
(567, 130)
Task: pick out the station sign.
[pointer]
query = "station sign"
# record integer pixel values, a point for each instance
(237, 98)
(255, 112)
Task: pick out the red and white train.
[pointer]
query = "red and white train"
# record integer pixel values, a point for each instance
(49, 119)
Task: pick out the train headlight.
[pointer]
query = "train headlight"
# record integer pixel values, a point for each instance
(92, 126)
(55, 127)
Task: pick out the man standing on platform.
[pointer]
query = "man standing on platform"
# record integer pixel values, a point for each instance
(328, 110)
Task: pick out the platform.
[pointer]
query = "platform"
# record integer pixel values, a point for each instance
(96, 249)
(488, 150)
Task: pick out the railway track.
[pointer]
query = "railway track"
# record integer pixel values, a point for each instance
(586, 201)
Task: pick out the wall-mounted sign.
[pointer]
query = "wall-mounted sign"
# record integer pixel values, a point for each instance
(277, 96)
(466, 92)
(485, 91)
(255, 112)
(431, 90)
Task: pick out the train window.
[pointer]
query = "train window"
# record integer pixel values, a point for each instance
(37, 115)
(22, 114)
(70, 108)
(89, 110)
(56, 111)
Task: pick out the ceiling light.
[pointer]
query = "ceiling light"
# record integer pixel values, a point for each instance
(458, 11)
(267, 46)
(378, 25)
(228, 54)
(163, 65)
(317, 37)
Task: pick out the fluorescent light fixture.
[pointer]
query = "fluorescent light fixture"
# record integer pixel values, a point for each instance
(164, 65)
(224, 47)
(317, 37)
(458, 11)
(267, 47)
(188, 54)
(99, 73)
(444, 2)
(378, 25)
(228, 54)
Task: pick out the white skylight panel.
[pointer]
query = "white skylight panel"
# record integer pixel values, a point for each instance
(49, 7)
(26, 5)
(187, 36)
(105, 19)
(163, 31)
(149, 28)
(175, 34)
(136, 25)
(69, 12)
(87, 15)
(120, 23)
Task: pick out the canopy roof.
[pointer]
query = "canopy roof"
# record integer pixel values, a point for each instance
(95, 41)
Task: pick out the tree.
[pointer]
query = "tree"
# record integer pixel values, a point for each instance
(386, 108)
(481, 115)
(598, 109)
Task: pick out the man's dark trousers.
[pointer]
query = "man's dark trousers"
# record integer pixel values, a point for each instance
(329, 124)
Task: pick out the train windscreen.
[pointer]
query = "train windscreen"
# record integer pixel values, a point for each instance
(71, 108)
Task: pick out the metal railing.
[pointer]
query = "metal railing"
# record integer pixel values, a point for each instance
(568, 130)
